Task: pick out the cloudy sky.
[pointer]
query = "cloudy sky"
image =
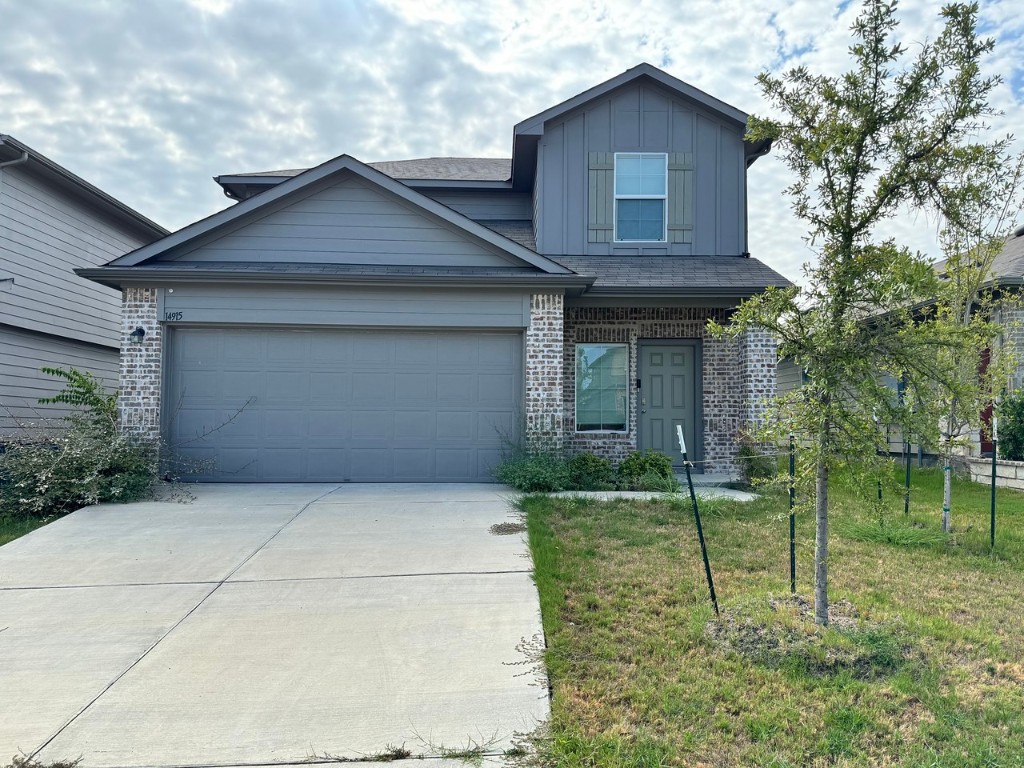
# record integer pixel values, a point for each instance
(148, 99)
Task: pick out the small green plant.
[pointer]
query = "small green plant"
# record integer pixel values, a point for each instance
(647, 471)
(543, 472)
(90, 461)
(589, 472)
(1011, 428)
(755, 467)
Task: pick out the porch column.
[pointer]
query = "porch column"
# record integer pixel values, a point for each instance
(544, 376)
(138, 396)
(758, 361)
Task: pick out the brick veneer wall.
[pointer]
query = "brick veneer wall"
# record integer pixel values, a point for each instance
(759, 361)
(138, 401)
(736, 376)
(544, 379)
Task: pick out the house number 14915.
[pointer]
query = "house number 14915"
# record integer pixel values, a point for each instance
(171, 316)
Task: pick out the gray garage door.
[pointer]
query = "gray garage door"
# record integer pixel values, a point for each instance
(341, 405)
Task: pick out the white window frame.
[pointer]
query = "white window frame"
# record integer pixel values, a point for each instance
(576, 389)
(663, 198)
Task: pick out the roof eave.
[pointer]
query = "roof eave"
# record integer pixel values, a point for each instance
(79, 186)
(118, 277)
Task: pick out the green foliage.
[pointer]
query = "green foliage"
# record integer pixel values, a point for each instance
(88, 462)
(542, 472)
(85, 391)
(589, 472)
(755, 466)
(1011, 428)
(895, 131)
(647, 471)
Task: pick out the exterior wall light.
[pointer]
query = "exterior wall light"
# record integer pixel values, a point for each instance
(137, 335)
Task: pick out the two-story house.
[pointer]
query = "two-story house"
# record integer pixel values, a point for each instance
(51, 222)
(402, 321)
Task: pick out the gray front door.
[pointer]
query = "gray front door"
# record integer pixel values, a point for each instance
(295, 404)
(669, 391)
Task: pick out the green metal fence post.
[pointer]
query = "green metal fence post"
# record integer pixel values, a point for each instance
(792, 514)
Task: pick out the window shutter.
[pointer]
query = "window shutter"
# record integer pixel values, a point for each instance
(601, 197)
(680, 197)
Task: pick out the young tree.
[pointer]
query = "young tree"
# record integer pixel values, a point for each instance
(894, 132)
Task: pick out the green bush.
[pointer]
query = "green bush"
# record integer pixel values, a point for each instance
(589, 472)
(754, 466)
(534, 472)
(90, 461)
(647, 471)
(1011, 428)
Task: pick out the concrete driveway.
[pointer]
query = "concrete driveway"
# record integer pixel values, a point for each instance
(260, 624)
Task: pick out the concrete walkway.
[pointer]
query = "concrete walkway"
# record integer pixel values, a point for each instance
(263, 624)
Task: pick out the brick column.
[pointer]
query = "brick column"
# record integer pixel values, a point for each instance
(544, 375)
(138, 401)
(758, 361)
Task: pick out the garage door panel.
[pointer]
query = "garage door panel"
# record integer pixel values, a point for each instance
(334, 425)
(343, 404)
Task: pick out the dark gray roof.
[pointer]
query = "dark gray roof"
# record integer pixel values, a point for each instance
(675, 274)
(446, 168)
(519, 231)
(1010, 261)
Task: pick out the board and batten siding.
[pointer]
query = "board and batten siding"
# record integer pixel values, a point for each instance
(643, 118)
(44, 235)
(344, 306)
(22, 382)
(347, 222)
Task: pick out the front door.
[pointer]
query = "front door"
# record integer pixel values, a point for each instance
(668, 396)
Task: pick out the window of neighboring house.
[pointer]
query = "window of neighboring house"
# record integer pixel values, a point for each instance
(601, 387)
(641, 190)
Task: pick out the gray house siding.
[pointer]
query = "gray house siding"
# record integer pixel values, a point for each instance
(22, 382)
(44, 235)
(346, 222)
(634, 119)
(486, 206)
(339, 306)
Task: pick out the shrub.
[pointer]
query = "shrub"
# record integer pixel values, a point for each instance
(1011, 428)
(534, 472)
(754, 466)
(90, 461)
(589, 472)
(650, 471)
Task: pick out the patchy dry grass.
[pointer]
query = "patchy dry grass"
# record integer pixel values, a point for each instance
(925, 666)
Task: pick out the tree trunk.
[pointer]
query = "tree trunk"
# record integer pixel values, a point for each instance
(821, 543)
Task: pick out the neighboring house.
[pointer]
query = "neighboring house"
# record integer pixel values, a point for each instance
(52, 222)
(1006, 279)
(406, 320)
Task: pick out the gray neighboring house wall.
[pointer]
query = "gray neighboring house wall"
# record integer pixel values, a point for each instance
(51, 223)
(406, 320)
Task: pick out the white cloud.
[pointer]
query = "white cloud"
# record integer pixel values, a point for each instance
(149, 100)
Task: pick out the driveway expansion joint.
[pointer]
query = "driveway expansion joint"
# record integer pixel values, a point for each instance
(178, 623)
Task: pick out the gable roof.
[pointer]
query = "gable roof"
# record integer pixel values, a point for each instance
(255, 206)
(15, 152)
(448, 168)
(534, 125)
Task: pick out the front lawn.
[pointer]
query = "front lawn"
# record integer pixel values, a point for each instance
(12, 528)
(924, 665)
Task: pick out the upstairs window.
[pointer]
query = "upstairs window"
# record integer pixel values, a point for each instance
(641, 190)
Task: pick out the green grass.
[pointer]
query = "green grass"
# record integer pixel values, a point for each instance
(927, 669)
(13, 528)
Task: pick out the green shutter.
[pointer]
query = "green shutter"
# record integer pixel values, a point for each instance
(680, 197)
(601, 197)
